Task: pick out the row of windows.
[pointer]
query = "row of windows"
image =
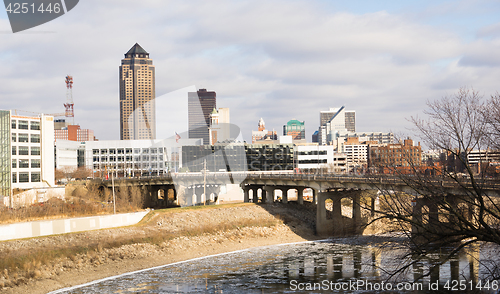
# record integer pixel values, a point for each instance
(398, 152)
(121, 166)
(23, 125)
(311, 161)
(25, 163)
(24, 150)
(25, 177)
(127, 151)
(350, 147)
(391, 156)
(323, 152)
(397, 149)
(127, 158)
(24, 138)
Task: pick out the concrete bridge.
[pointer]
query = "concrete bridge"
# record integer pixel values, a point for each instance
(329, 192)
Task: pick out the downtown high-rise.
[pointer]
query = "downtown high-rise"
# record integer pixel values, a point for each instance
(349, 118)
(200, 105)
(295, 128)
(137, 96)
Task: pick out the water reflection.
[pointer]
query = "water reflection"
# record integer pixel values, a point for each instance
(281, 269)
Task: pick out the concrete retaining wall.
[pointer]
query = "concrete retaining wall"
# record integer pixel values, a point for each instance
(61, 226)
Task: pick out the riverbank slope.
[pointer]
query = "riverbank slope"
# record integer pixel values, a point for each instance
(165, 236)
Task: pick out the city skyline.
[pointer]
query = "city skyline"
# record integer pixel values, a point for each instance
(385, 60)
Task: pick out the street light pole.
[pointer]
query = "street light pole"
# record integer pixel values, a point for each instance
(205, 181)
(114, 197)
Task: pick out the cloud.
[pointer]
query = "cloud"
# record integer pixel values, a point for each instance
(482, 53)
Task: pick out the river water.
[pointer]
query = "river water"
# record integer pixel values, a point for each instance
(341, 265)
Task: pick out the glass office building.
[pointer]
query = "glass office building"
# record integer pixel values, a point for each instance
(5, 157)
(216, 158)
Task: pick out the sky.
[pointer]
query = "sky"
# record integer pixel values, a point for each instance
(277, 60)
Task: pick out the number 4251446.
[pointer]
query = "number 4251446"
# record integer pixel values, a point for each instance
(462, 285)
(32, 8)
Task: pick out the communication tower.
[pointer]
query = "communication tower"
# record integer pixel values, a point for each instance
(70, 115)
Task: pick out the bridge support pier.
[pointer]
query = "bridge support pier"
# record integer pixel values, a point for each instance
(356, 210)
(337, 220)
(269, 194)
(193, 197)
(246, 196)
(372, 206)
(176, 198)
(263, 195)
(255, 197)
(324, 226)
(153, 195)
(333, 223)
(284, 195)
(300, 195)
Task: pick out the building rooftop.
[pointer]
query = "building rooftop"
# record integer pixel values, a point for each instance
(136, 49)
(340, 109)
(295, 122)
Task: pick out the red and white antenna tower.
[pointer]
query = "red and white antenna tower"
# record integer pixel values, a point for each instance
(70, 115)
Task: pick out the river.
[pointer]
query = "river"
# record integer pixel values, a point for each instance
(344, 265)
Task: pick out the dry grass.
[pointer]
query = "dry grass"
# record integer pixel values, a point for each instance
(54, 208)
(81, 200)
(25, 264)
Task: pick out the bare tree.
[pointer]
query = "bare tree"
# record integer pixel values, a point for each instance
(68, 172)
(81, 173)
(59, 174)
(491, 117)
(448, 207)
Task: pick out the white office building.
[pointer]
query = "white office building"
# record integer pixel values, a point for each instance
(372, 137)
(132, 158)
(316, 157)
(357, 154)
(378, 137)
(67, 154)
(32, 156)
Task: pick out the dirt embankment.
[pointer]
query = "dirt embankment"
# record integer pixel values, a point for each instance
(40, 265)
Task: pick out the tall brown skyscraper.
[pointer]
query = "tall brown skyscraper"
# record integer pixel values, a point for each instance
(200, 105)
(137, 96)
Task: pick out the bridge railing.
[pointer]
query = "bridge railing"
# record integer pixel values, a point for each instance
(326, 177)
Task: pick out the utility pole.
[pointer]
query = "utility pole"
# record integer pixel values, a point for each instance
(113, 184)
(205, 180)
